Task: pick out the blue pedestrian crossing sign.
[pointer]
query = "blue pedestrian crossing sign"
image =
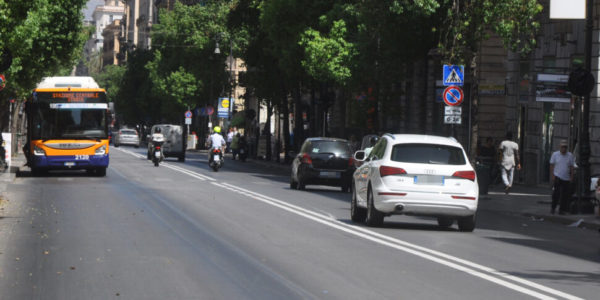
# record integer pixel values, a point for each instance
(454, 75)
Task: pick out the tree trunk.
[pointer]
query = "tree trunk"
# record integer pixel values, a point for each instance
(267, 130)
(298, 122)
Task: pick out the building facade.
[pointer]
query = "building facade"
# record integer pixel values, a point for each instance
(112, 46)
(103, 16)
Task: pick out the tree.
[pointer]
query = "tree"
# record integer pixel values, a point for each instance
(45, 38)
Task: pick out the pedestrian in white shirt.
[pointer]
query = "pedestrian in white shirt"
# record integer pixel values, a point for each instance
(230, 135)
(562, 168)
(509, 160)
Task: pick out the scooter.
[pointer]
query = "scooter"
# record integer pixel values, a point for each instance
(157, 156)
(216, 159)
(243, 153)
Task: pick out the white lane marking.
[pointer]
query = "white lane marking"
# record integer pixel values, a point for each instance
(406, 246)
(129, 152)
(378, 238)
(173, 167)
(189, 172)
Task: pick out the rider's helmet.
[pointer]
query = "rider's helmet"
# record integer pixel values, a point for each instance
(157, 130)
(217, 129)
(373, 141)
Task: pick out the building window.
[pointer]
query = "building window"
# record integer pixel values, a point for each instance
(110, 18)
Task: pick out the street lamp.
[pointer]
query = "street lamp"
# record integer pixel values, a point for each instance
(231, 75)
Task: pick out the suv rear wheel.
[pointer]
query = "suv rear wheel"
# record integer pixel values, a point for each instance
(357, 214)
(374, 217)
(466, 224)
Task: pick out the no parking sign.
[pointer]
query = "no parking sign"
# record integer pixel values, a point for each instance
(453, 96)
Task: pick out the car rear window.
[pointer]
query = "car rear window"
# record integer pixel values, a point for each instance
(128, 132)
(336, 147)
(428, 154)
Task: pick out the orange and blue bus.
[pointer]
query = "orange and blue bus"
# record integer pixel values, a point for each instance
(67, 126)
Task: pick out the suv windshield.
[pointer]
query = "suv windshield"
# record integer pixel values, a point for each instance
(428, 154)
(337, 147)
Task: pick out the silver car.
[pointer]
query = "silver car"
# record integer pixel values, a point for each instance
(127, 137)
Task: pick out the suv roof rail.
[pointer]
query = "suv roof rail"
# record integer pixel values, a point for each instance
(390, 135)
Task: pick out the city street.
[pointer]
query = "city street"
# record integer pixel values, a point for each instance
(182, 231)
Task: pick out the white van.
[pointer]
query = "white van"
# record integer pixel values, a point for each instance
(174, 145)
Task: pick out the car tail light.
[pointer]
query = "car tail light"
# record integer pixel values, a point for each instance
(385, 171)
(465, 174)
(306, 159)
(463, 198)
(351, 162)
(391, 194)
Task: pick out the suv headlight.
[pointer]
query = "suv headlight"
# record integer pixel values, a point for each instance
(101, 150)
(38, 151)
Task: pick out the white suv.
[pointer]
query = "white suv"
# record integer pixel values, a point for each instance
(415, 175)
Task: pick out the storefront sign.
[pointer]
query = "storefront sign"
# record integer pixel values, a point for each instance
(552, 88)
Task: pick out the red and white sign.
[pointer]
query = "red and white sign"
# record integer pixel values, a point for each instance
(453, 96)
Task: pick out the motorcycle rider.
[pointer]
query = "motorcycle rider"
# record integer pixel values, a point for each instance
(216, 141)
(157, 139)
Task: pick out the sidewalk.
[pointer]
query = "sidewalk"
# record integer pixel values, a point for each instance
(534, 202)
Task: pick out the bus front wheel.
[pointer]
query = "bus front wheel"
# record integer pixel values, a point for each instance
(101, 172)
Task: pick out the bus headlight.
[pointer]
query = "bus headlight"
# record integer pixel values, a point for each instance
(38, 151)
(101, 150)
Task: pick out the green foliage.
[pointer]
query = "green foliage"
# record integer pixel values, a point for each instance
(469, 22)
(328, 58)
(184, 69)
(110, 79)
(45, 37)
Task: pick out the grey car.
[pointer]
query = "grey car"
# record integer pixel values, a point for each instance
(127, 137)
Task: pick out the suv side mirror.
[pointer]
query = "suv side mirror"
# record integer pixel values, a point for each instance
(360, 155)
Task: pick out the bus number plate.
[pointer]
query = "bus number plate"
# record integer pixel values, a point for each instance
(69, 164)
(82, 157)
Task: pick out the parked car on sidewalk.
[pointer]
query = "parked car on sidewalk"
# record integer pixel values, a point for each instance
(420, 175)
(127, 137)
(323, 161)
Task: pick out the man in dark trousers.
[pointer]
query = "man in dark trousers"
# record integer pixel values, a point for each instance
(562, 165)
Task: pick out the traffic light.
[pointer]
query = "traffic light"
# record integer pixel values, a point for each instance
(581, 82)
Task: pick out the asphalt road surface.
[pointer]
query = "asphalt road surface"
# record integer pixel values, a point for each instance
(182, 231)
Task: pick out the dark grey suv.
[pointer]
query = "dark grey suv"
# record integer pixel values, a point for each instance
(323, 161)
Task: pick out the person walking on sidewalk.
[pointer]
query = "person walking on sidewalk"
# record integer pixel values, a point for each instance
(562, 166)
(509, 151)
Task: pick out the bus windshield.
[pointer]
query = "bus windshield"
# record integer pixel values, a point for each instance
(68, 115)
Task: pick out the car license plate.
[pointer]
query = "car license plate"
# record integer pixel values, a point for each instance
(69, 164)
(216, 157)
(330, 174)
(429, 180)
(157, 154)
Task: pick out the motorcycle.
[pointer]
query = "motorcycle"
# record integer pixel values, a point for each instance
(216, 159)
(243, 153)
(157, 156)
(243, 150)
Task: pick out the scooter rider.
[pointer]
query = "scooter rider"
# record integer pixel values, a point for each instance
(158, 139)
(216, 140)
